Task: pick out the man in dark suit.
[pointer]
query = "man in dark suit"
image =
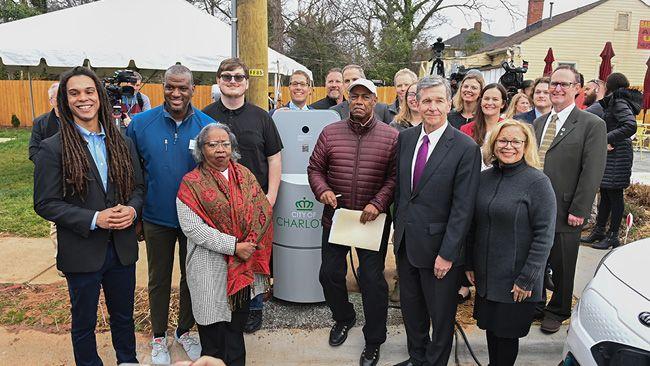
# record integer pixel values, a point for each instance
(88, 181)
(541, 101)
(45, 125)
(438, 172)
(350, 74)
(572, 148)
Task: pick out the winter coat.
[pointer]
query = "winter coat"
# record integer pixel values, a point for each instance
(357, 162)
(621, 108)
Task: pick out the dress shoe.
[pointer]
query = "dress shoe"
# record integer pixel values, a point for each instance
(550, 325)
(254, 321)
(369, 356)
(610, 241)
(409, 362)
(339, 333)
(597, 234)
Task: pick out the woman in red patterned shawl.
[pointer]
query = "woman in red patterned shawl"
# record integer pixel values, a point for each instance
(228, 223)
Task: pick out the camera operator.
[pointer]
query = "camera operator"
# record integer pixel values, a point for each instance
(136, 102)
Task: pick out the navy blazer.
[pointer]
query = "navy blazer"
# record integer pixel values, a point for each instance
(527, 117)
(434, 218)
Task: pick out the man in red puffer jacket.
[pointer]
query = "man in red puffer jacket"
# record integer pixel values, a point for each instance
(353, 166)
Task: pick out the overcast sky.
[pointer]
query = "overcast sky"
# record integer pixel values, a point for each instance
(501, 24)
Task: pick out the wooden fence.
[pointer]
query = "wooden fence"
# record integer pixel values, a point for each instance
(16, 99)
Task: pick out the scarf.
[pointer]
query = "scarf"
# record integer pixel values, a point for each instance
(236, 206)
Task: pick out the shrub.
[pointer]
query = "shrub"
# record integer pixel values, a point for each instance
(15, 121)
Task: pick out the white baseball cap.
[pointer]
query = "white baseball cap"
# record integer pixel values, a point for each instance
(365, 83)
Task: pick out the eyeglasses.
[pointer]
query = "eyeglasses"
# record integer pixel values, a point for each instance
(562, 84)
(301, 84)
(228, 78)
(366, 97)
(411, 95)
(514, 143)
(213, 145)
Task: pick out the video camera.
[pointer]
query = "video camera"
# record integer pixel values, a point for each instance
(438, 65)
(115, 90)
(513, 79)
(456, 78)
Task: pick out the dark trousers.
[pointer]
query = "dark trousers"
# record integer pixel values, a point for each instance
(427, 301)
(611, 202)
(502, 351)
(374, 289)
(225, 340)
(161, 242)
(118, 282)
(563, 258)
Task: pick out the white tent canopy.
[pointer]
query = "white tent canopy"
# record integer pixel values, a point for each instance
(155, 34)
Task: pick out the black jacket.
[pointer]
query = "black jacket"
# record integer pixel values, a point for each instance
(325, 103)
(527, 117)
(79, 248)
(621, 108)
(44, 126)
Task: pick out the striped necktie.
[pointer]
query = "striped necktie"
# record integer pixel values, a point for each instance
(547, 139)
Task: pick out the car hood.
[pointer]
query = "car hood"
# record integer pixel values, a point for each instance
(630, 264)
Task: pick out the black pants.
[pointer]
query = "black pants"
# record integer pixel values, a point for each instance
(502, 351)
(118, 282)
(611, 201)
(374, 289)
(427, 301)
(563, 258)
(161, 242)
(225, 340)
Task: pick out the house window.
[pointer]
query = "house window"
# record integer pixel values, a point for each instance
(623, 21)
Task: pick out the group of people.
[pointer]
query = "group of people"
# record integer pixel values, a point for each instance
(476, 198)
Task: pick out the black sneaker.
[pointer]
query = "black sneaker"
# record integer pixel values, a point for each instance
(254, 321)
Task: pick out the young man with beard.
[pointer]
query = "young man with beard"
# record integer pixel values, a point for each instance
(88, 181)
(353, 166)
(594, 92)
(334, 85)
(165, 137)
(259, 144)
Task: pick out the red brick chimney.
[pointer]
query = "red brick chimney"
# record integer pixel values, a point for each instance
(535, 11)
(477, 26)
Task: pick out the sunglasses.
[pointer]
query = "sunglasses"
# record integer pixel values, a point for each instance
(228, 78)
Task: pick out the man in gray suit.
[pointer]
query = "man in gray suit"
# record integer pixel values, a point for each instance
(438, 170)
(573, 148)
(350, 74)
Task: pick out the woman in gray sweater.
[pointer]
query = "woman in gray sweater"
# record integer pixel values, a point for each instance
(511, 237)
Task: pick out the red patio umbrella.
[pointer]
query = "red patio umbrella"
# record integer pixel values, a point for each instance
(646, 90)
(548, 69)
(606, 64)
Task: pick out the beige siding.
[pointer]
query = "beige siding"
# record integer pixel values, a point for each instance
(582, 38)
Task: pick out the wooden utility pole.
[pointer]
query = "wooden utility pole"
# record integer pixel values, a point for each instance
(252, 33)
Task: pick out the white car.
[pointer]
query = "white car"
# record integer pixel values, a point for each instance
(610, 325)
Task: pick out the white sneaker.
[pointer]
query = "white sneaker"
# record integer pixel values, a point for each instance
(190, 344)
(159, 351)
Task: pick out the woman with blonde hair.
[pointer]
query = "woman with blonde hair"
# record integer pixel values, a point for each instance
(409, 116)
(510, 240)
(466, 100)
(520, 103)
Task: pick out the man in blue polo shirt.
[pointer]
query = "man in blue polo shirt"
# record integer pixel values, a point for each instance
(164, 137)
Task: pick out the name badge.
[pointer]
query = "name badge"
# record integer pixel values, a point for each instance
(192, 144)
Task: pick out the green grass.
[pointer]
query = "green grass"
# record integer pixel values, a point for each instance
(17, 216)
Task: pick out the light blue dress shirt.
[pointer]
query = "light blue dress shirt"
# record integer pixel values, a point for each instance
(97, 146)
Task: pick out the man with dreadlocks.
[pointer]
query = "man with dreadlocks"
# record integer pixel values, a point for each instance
(88, 181)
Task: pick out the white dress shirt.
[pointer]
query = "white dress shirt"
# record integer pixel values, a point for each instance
(434, 137)
(561, 118)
